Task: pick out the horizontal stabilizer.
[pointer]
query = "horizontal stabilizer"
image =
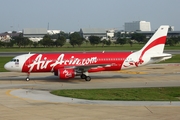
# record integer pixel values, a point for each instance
(161, 56)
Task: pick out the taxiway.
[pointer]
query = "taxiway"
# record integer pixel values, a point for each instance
(20, 99)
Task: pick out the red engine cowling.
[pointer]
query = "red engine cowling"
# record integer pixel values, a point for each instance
(66, 73)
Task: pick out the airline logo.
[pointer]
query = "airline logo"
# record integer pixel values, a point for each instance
(41, 62)
(135, 63)
(67, 74)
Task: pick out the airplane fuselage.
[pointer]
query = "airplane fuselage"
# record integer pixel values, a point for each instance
(102, 61)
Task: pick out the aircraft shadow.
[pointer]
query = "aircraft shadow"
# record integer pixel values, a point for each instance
(56, 78)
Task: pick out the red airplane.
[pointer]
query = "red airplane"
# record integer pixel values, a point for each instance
(69, 65)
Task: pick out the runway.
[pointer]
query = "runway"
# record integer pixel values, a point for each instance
(31, 100)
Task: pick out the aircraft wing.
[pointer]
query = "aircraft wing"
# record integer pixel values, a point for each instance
(86, 67)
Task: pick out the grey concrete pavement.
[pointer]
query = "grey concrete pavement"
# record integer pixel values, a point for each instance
(21, 100)
(13, 108)
(45, 96)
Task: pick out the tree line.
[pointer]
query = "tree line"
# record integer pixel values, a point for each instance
(75, 39)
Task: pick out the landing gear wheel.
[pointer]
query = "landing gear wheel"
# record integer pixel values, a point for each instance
(83, 76)
(88, 78)
(27, 79)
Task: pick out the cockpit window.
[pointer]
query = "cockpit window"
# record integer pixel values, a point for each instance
(15, 60)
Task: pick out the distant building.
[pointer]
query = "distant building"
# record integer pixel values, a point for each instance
(137, 26)
(171, 28)
(7, 36)
(52, 32)
(103, 33)
(148, 34)
(34, 32)
(110, 33)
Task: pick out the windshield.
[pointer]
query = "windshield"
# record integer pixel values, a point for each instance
(15, 60)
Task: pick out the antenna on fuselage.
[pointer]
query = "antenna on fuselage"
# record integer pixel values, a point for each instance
(29, 52)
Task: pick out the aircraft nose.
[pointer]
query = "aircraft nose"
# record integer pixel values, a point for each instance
(7, 66)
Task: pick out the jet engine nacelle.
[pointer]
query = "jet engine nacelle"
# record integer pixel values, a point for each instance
(66, 73)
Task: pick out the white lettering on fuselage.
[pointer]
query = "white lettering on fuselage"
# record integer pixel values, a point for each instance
(42, 64)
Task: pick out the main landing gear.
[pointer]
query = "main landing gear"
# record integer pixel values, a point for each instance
(87, 78)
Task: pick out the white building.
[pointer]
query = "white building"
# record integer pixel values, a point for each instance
(5, 38)
(52, 32)
(137, 26)
(100, 32)
(110, 33)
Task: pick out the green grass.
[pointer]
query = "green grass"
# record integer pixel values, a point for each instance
(84, 47)
(174, 59)
(125, 94)
(4, 60)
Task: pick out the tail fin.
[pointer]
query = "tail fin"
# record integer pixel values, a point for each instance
(152, 51)
(157, 41)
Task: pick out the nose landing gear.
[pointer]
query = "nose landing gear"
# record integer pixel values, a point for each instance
(27, 78)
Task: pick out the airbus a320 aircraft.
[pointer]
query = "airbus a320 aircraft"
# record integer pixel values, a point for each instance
(69, 65)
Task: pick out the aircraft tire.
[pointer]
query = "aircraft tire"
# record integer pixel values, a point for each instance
(88, 78)
(27, 79)
(83, 76)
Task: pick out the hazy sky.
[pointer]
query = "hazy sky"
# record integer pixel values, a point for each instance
(71, 15)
